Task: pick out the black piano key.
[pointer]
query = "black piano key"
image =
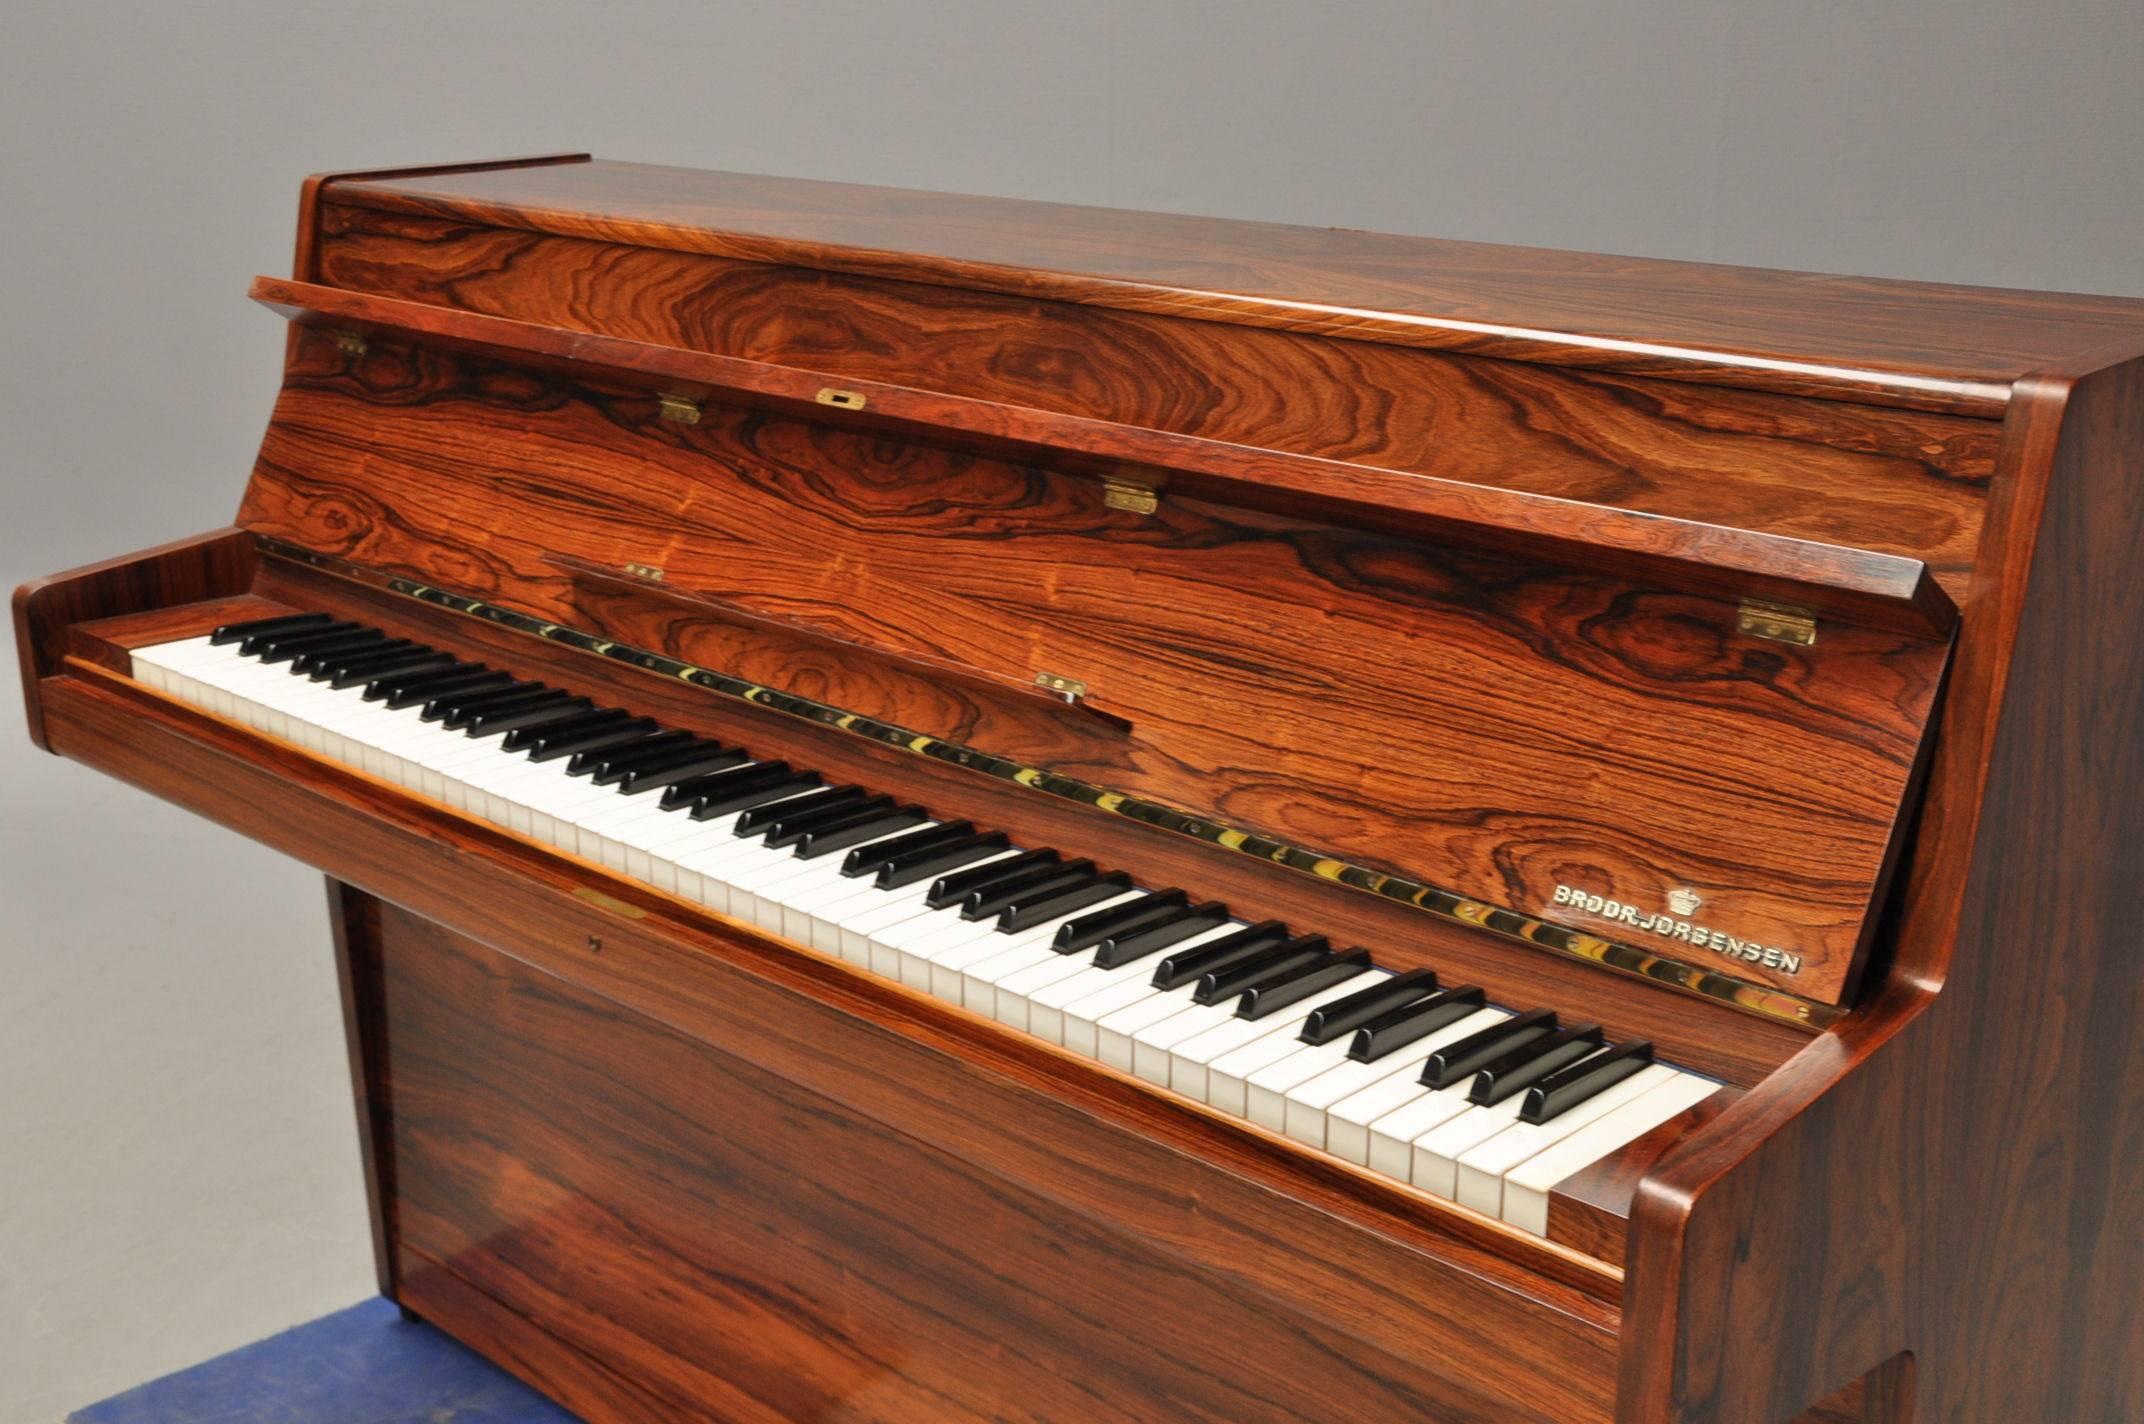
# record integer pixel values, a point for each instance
(993, 900)
(593, 762)
(867, 860)
(743, 796)
(929, 862)
(282, 647)
(325, 667)
(1042, 906)
(756, 822)
(1457, 1062)
(586, 723)
(550, 706)
(1348, 1014)
(1565, 1089)
(687, 789)
(956, 887)
(1414, 1022)
(1132, 946)
(621, 734)
(400, 692)
(702, 759)
(1191, 965)
(791, 830)
(856, 828)
(1273, 995)
(1519, 1068)
(598, 718)
(310, 657)
(453, 704)
(1090, 930)
(403, 665)
(261, 627)
(1248, 974)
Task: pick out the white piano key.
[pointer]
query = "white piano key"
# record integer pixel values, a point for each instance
(1190, 1058)
(1335, 1109)
(1389, 1139)
(1528, 1186)
(1228, 1078)
(1083, 1017)
(1433, 1164)
(1482, 1168)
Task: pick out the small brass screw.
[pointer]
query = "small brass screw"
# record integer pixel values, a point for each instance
(595, 943)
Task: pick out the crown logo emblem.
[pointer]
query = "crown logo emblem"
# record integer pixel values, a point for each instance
(1684, 902)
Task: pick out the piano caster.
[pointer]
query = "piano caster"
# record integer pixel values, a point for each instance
(409, 1317)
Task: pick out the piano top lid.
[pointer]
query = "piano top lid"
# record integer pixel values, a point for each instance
(1913, 344)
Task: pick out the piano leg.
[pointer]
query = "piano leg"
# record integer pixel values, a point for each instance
(353, 918)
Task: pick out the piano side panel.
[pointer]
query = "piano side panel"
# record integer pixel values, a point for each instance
(1955, 1177)
(1353, 692)
(743, 1249)
(1858, 476)
(1512, 1320)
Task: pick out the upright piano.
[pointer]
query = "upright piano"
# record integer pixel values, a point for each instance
(940, 809)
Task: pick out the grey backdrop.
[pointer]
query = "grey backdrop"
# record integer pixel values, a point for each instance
(178, 1171)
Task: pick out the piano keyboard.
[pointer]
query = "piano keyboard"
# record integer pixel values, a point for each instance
(1482, 1104)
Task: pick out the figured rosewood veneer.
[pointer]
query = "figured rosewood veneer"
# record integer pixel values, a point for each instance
(1441, 582)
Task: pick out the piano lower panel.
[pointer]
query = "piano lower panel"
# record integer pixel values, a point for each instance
(1368, 1283)
(748, 1249)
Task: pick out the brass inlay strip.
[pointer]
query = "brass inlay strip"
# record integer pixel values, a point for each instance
(1760, 999)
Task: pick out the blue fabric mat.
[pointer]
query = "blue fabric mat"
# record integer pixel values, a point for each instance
(364, 1365)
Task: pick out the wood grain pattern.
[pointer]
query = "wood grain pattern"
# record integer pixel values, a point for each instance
(1992, 1235)
(1854, 585)
(1386, 1266)
(1703, 1033)
(1855, 476)
(765, 1253)
(1900, 342)
(217, 563)
(1637, 743)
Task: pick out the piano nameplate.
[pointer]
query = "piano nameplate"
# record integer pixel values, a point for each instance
(1682, 931)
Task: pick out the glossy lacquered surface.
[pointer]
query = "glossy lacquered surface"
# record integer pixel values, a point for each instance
(1929, 344)
(1442, 574)
(1639, 743)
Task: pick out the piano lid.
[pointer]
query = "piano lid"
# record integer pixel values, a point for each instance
(1925, 345)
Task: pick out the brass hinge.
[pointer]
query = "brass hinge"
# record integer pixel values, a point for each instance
(350, 343)
(840, 400)
(646, 571)
(684, 410)
(1130, 495)
(1071, 689)
(1780, 622)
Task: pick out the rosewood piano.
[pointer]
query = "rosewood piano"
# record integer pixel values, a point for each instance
(939, 809)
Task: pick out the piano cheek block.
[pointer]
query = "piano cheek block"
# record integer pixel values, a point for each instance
(1153, 767)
